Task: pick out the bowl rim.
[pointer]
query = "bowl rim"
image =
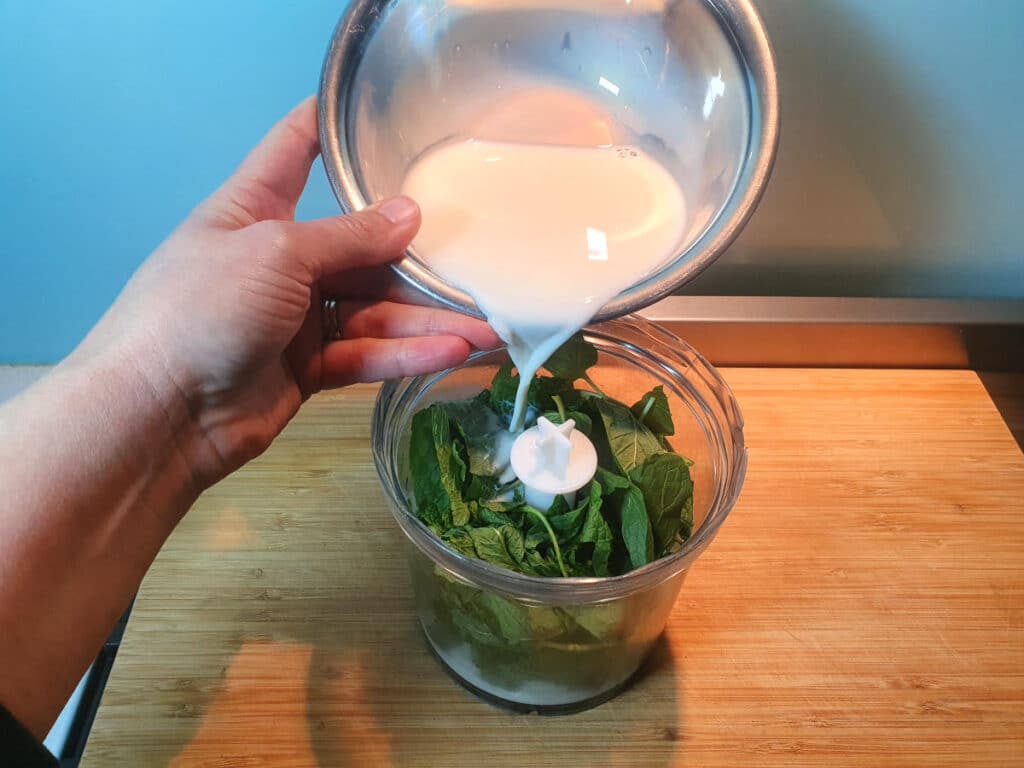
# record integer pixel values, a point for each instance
(740, 21)
(674, 356)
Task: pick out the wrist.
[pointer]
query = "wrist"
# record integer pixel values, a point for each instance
(146, 414)
(97, 473)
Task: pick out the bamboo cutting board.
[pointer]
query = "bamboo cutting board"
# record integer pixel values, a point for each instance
(862, 606)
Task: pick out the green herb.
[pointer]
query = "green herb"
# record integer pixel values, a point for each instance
(503, 390)
(476, 422)
(610, 482)
(541, 394)
(583, 422)
(492, 546)
(653, 412)
(438, 470)
(628, 442)
(636, 528)
(537, 514)
(510, 641)
(597, 532)
(571, 360)
(664, 480)
(567, 524)
(460, 540)
(638, 507)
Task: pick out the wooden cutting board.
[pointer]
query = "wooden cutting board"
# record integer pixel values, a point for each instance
(863, 606)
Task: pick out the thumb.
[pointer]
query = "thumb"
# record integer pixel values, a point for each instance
(376, 235)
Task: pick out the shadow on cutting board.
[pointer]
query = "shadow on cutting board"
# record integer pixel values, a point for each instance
(371, 694)
(416, 715)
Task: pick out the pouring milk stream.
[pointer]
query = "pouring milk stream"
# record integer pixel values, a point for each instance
(542, 236)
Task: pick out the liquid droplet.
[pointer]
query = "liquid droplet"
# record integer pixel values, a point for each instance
(458, 48)
(566, 42)
(647, 51)
(507, 44)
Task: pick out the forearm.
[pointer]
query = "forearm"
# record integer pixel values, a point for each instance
(95, 471)
(208, 352)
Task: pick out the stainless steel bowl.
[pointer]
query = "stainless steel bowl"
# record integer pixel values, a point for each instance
(691, 82)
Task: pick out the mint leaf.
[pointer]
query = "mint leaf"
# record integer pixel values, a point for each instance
(506, 507)
(601, 620)
(536, 532)
(558, 507)
(503, 390)
(610, 481)
(513, 542)
(469, 623)
(629, 442)
(595, 530)
(540, 395)
(488, 515)
(544, 390)
(459, 540)
(477, 424)
(583, 422)
(637, 507)
(510, 618)
(567, 524)
(636, 528)
(653, 412)
(686, 519)
(535, 537)
(437, 470)
(664, 480)
(548, 623)
(538, 565)
(425, 469)
(491, 547)
(571, 360)
(473, 415)
(452, 481)
(480, 488)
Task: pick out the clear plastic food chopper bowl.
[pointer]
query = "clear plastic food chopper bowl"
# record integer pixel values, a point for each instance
(558, 645)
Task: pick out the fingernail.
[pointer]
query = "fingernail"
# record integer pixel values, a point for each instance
(397, 210)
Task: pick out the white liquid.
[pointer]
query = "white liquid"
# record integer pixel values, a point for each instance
(543, 236)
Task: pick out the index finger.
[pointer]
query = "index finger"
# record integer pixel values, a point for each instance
(269, 181)
(373, 236)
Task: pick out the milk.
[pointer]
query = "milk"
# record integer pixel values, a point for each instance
(542, 236)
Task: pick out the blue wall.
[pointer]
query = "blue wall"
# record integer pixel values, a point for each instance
(899, 171)
(117, 117)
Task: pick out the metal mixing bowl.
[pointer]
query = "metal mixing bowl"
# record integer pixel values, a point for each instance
(691, 82)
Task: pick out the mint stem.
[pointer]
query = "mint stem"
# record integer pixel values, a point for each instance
(590, 381)
(554, 541)
(560, 406)
(647, 407)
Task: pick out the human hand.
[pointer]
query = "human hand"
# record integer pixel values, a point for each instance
(226, 314)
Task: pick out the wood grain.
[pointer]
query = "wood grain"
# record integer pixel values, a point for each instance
(863, 606)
